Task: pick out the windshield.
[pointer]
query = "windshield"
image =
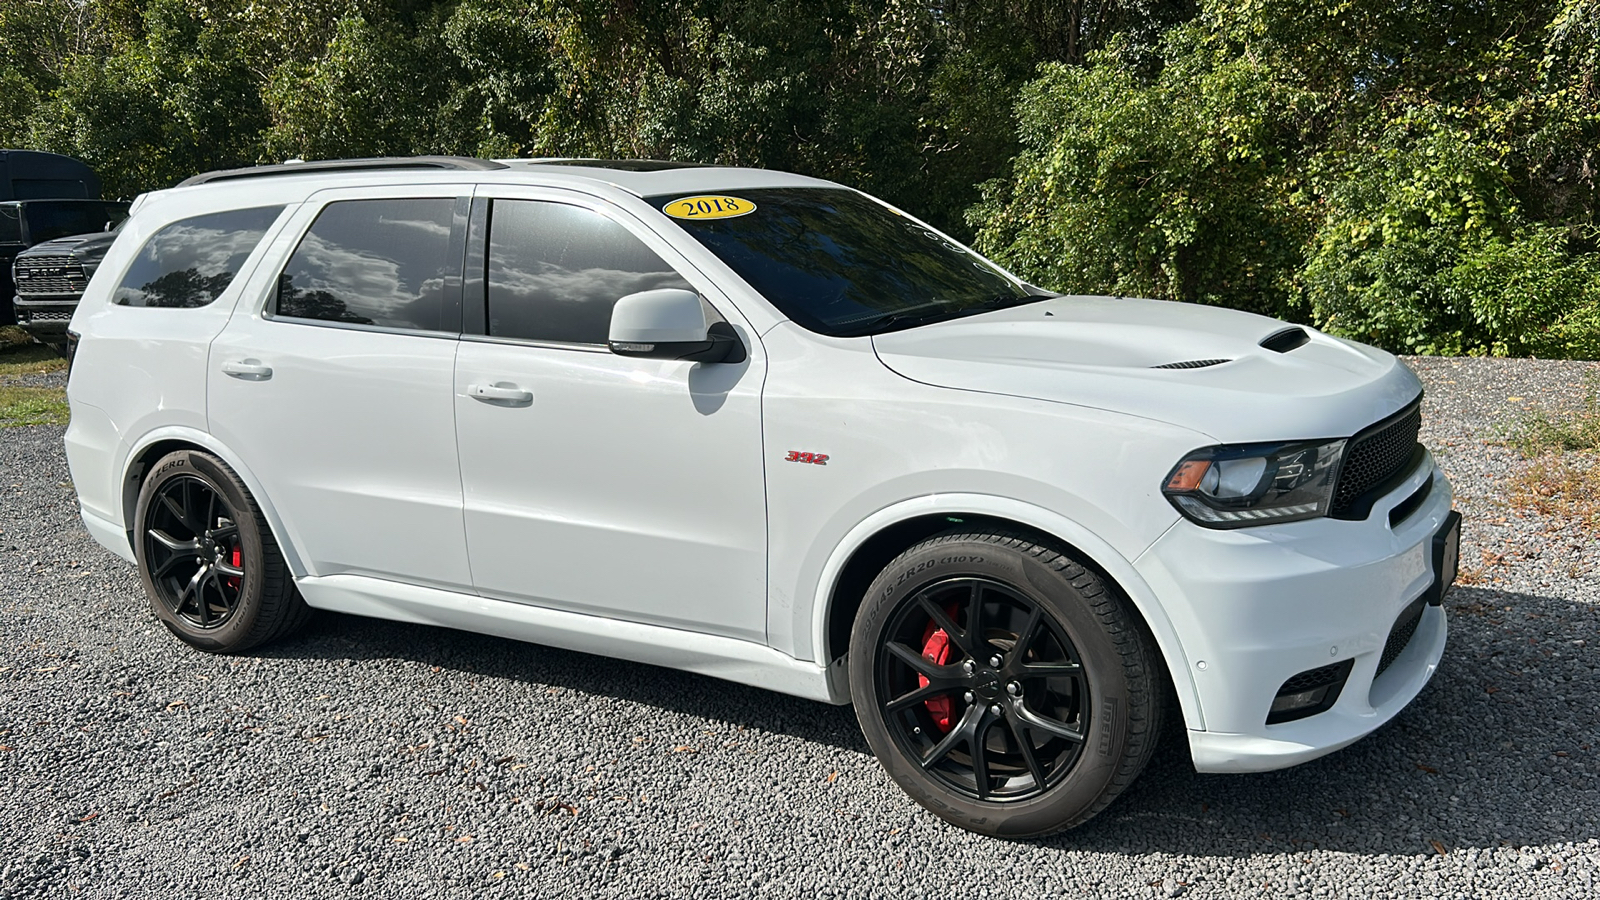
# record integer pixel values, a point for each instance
(837, 262)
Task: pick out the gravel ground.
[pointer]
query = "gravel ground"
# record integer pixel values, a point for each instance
(366, 758)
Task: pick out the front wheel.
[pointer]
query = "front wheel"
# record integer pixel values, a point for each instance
(208, 560)
(1002, 684)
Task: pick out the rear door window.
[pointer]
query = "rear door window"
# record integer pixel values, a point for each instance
(555, 270)
(189, 263)
(374, 262)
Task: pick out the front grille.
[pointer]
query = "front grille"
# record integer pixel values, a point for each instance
(43, 275)
(1400, 636)
(49, 315)
(1375, 456)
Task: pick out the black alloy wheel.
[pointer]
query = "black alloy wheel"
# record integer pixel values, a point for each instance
(196, 559)
(207, 557)
(1007, 687)
(983, 689)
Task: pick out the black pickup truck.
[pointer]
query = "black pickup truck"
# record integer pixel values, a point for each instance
(50, 277)
(43, 197)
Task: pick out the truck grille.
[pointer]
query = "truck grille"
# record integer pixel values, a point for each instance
(1376, 455)
(49, 275)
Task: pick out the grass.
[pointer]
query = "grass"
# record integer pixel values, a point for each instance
(19, 355)
(32, 406)
(1562, 477)
(28, 405)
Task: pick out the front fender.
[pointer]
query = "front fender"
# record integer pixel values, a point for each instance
(1061, 527)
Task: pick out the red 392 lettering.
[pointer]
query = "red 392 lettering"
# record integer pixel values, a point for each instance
(816, 459)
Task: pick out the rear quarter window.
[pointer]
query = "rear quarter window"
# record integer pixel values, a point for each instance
(189, 263)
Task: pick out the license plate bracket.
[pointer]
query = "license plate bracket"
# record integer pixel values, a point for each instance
(1446, 554)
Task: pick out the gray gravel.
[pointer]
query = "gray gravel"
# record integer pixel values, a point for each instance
(366, 758)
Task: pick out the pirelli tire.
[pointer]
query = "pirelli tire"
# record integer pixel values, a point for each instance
(1005, 686)
(208, 559)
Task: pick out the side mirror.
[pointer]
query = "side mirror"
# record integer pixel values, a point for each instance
(670, 324)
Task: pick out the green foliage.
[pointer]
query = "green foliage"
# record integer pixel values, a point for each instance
(1425, 183)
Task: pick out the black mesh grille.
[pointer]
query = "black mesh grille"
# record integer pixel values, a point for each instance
(1375, 456)
(49, 275)
(1404, 628)
(1314, 678)
(53, 315)
(1331, 676)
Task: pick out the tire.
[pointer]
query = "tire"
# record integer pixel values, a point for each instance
(1064, 723)
(210, 566)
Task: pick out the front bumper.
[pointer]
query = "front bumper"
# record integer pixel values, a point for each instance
(44, 318)
(1257, 606)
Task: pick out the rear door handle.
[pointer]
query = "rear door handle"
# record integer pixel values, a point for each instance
(499, 393)
(248, 369)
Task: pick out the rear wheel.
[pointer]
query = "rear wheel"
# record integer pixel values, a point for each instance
(1002, 684)
(208, 560)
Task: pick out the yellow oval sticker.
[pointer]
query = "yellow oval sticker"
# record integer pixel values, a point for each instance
(710, 206)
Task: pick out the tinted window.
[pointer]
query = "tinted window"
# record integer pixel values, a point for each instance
(192, 261)
(373, 262)
(840, 263)
(556, 270)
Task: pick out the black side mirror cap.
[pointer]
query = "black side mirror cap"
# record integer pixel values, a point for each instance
(722, 345)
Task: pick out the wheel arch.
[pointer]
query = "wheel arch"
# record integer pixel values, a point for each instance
(156, 444)
(868, 547)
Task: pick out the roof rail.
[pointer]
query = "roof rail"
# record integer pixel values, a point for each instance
(457, 163)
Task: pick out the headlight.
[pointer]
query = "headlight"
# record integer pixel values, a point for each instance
(1254, 484)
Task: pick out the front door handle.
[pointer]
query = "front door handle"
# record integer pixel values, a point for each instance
(499, 393)
(248, 369)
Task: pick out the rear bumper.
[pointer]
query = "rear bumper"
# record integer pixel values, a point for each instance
(1259, 606)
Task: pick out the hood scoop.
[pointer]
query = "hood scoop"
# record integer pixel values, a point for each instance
(1285, 339)
(1192, 364)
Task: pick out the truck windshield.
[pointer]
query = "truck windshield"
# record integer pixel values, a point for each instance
(48, 220)
(839, 263)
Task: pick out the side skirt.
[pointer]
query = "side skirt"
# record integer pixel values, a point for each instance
(720, 657)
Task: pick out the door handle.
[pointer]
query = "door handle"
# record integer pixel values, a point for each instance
(248, 369)
(499, 393)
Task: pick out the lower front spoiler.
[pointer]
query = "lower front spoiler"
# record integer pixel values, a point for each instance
(1293, 743)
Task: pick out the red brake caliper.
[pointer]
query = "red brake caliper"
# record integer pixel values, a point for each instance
(936, 649)
(238, 562)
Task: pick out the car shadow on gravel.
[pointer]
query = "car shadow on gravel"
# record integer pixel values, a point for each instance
(1498, 750)
(1495, 752)
(336, 636)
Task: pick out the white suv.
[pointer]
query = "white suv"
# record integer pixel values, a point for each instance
(766, 428)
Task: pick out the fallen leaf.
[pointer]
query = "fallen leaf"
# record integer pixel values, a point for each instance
(89, 817)
(832, 777)
(499, 874)
(523, 866)
(684, 748)
(461, 720)
(401, 839)
(1439, 848)
(1429, 769)
(464, 839)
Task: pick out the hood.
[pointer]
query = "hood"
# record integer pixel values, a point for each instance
(1119, 354)
(87, 249)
